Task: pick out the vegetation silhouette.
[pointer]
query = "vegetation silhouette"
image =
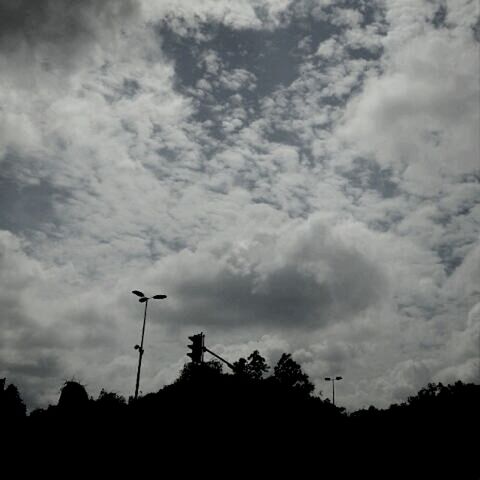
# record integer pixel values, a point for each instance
(249, 416)
(73, 397)
(12, 408)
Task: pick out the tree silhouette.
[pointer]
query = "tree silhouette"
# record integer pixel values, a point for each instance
(110, 399)
(255, 367)
(205, 371)
(12, 407)
(241, 367)
(73, 396)
(288, 373)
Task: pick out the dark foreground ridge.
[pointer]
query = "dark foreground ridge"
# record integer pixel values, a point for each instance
(206, 416)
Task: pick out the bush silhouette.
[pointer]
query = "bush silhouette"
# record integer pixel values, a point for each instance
(73, 396)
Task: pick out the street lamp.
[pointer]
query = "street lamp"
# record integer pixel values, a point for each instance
(143, 299)
(332, 379)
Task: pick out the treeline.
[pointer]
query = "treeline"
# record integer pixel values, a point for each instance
(255, 408)
(250, 387)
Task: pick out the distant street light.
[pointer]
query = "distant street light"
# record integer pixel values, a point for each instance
(331, 379)
(143, 299)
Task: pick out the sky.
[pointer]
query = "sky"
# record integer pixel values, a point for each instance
(297, 176)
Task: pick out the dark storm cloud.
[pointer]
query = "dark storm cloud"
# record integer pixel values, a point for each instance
(48, 366)
(61, 27)
(59, 20)
(316, 280)
(287, 298)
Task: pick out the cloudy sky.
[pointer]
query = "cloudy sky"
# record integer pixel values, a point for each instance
(297, 176)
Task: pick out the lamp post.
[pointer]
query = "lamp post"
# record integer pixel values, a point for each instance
(332, 379)
(143, 299)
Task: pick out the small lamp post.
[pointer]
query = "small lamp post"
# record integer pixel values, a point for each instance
(143, 299)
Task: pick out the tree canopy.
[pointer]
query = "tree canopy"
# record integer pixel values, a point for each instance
(289, 374)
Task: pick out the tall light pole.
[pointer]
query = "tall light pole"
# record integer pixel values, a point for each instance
(332, 379)
(143, 299)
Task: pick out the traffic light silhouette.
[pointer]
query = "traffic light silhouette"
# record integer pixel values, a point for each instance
(196, 347)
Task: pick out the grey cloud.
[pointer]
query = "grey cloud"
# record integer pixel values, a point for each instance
(328, 358)
(47, 366)
(309, 283)
(50, 20)
(31, 205)
(25, 358)
(55, 31)
(38, 379)
(408, 377)
(43, 322)
(368, 174)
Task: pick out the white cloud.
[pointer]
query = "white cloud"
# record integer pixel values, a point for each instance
(238, 15)
(420, 114)
(330, 48)
(237, 79)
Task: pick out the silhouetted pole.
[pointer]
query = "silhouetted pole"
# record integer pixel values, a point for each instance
(219, 357)
(332, 379)
(140, 351)
(143, 299)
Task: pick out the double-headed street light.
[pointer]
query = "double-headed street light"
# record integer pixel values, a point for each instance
(332, 379)
(143, 299)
